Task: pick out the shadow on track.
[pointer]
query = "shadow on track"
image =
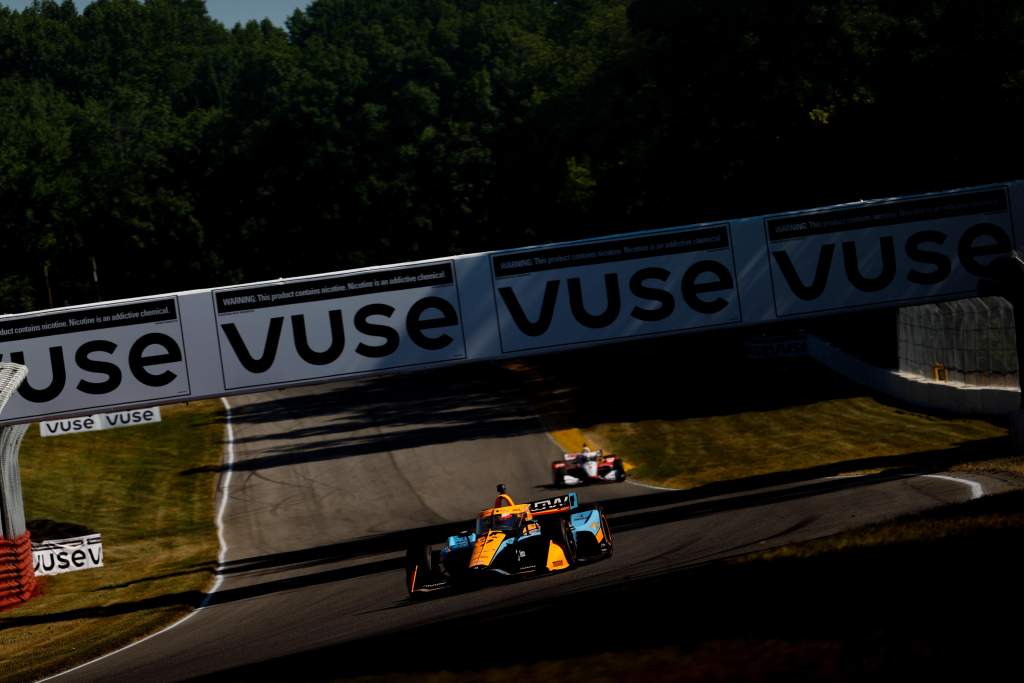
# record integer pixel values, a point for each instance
(870, 613)
(485, 405)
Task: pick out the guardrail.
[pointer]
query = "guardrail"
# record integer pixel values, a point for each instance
(950, 397)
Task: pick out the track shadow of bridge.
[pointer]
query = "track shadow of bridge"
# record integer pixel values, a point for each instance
(384, 414)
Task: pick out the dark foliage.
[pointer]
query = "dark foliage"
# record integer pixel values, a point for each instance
(165, 151)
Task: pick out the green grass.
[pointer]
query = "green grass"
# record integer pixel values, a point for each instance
(859, 433)
(159, 536)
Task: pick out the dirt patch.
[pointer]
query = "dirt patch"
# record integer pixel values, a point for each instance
(50, 530)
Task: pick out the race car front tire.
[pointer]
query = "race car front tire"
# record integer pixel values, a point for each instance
(609, 546)
(567, 541)
(418, 566)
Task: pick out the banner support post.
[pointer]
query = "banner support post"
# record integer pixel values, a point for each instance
(12, 509)
(17, 573)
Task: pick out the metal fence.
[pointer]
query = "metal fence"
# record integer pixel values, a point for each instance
(970, 341)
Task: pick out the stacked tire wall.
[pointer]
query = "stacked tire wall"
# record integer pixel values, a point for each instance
(17, 575)
(971, 341)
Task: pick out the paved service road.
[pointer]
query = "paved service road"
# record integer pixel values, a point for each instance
(328, 480)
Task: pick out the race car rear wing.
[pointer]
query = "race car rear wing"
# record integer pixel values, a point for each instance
(550, 506)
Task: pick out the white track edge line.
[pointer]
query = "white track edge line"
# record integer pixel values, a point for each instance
(230, 459)
(977, 491)
(650, 486)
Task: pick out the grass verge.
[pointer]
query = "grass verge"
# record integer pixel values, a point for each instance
(159, 537)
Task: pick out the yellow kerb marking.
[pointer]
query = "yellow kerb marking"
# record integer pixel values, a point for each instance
(572, 440)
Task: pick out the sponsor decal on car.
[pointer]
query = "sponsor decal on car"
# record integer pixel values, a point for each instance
(556, 504)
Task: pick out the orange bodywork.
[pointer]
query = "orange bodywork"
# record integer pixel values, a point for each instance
(503, 501)
(484, 549)
(556, 558)
(487, 544)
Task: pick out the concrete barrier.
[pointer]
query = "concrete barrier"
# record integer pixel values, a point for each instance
(950, 397)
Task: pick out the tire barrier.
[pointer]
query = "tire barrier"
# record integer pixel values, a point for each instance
(17, 576)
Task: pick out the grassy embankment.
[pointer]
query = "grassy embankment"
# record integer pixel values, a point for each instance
(159, 537)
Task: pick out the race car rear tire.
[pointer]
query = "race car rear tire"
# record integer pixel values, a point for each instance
(558, 479)
(418, 566)
(620, 471)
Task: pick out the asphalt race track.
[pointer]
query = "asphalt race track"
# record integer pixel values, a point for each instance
(330, 482)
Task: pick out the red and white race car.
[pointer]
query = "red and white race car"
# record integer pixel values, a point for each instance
(586, 467)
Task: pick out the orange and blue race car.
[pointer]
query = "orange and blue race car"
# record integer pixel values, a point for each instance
(512, 540)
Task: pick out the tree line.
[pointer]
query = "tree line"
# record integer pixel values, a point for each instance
(145, 147)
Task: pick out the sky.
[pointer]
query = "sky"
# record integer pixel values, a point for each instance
(228, 12)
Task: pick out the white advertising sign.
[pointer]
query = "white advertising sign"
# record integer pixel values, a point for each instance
(99, 421)
(313, 329)
(67, 555)
(134, 354)
(95, 357)
(663, 282)
(886, 253)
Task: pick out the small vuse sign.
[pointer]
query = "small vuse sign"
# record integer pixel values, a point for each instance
(67, 555)
(99, 421)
